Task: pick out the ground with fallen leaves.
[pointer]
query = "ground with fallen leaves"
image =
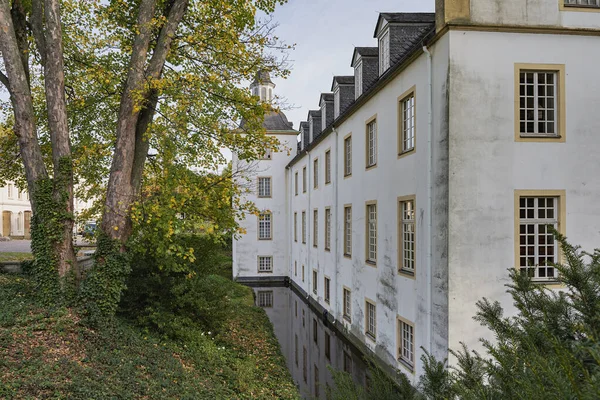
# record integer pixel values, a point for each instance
(51, 354)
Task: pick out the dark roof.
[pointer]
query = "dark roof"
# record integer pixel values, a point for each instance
(262, 77)
(326, 97)
(274, 121)
(342, 80)
(303, 124)
(314, 114)
(364, 52)
(406, 18)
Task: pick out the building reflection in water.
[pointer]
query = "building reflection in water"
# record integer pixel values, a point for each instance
(309, 345)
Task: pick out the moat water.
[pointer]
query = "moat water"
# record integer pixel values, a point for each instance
(309, 345)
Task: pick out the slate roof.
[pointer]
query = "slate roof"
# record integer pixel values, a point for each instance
(342, 80)
(326, 97)
(274, 121)
(262, 77)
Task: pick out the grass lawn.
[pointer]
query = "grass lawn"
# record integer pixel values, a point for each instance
(11, 256)
(50, 354)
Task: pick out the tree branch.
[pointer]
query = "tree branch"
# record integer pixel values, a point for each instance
(37, 28)
(4, 81)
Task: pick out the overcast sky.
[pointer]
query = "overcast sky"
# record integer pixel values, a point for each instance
(325, 33)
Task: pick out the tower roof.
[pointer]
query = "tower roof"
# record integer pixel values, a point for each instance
(262, 77)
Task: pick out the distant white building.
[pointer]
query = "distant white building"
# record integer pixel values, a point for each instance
(15, 210)
(435, 167)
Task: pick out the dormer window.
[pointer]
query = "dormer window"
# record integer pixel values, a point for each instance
(323, 117)
(384, 52)
(336, 102)
(310, 129)
(358, 80)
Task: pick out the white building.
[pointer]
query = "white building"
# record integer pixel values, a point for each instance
(15, 211)
(458, 138)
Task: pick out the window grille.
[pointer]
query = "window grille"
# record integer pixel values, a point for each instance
(406, 350)
(348, 156)
(264, 226)
(347, 305)
(538, 103)
(265, 264)
(265, 298)
(264, 187)
(372, 233)
(371, 318)
(408, 123)
(408, 235)
(327, 229)
(372, 143)
(583, 3)
(315, 228)
(347, 230)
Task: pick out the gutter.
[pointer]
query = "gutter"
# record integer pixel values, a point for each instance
(337, 236)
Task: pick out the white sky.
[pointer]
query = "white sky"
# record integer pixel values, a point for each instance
(325, 33)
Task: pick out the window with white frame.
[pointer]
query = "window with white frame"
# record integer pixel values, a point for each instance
(265, 298)
(328, 166)
(370, 318)
(347, 304)
(328, 229)
(264, 187)
(314, 281)
(295, 227)
(347, 230)
(407, 136)
(538, 248)
(304, 180)
(384, 52)
(358, 84)
(326, 289)
(372, 143)
(265, 264)
(336, 102)
(538, 103)
(304, 227)
(315, 228)
(348, 156)
(372, 233)
(10, 190)
(583, 3)
(296, 183)
(310, 129)
(19, 194)
(406, 349)
(323, 116)
(407, 245)
(316, 173)
(264, 226)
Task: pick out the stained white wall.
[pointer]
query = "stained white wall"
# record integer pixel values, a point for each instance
(487, 165)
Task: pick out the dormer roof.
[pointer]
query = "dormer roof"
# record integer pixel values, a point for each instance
(402, 18)
(327, 97)
(363, 52)
(342, 80)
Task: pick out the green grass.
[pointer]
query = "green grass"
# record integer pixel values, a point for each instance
(50, 354)
(14, 256)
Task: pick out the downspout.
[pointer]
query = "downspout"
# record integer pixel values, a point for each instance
(336, 230)
(429, 211)
(308, 269)
(291, 222)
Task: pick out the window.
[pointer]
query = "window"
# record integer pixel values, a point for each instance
(265, 298)
(264, 226)
(316, 173)
(296, 183)
(372, 143)
(328, 229)
(406, 348)
(370, 319)
(347, 304)
(315, 228)
(304, 364)
(537, 248)
(311, 129)
(295, 227)
(348, 156)
(323, 117)
(336, 102)
(371, 233)
(314, 281)
(19, 194)
(407, 236)
(327, 290)
(304, 180)
(303, 318)
(268, 154)
(264, 187)
(263, 93)
(384, 52)
(328, 166)
(348, 230)
(583, 3)
(347, 363)
(327, 345)
(265, 264)
(316, 382)
(407, 122)
(296, 273)
(304, 227)
(315, 331)
(10, 190)
(296, 349)
(358, 84)
(303, 273)
(540, 110)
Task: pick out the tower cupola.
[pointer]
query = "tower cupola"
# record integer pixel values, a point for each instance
(263, 86)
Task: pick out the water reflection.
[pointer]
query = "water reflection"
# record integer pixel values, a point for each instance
(309, 346)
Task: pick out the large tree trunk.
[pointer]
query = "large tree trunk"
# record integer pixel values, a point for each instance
(59, 135)
(134, 119)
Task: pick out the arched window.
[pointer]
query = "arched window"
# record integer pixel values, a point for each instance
(270, 94)
(19, 221)
(263, 93)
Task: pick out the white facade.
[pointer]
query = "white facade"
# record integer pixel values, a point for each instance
(469, 171)
(15, 211)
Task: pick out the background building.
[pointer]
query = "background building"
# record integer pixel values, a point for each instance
(436, 166)
(15, 211)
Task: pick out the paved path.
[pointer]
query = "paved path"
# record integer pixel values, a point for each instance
(24, 246)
